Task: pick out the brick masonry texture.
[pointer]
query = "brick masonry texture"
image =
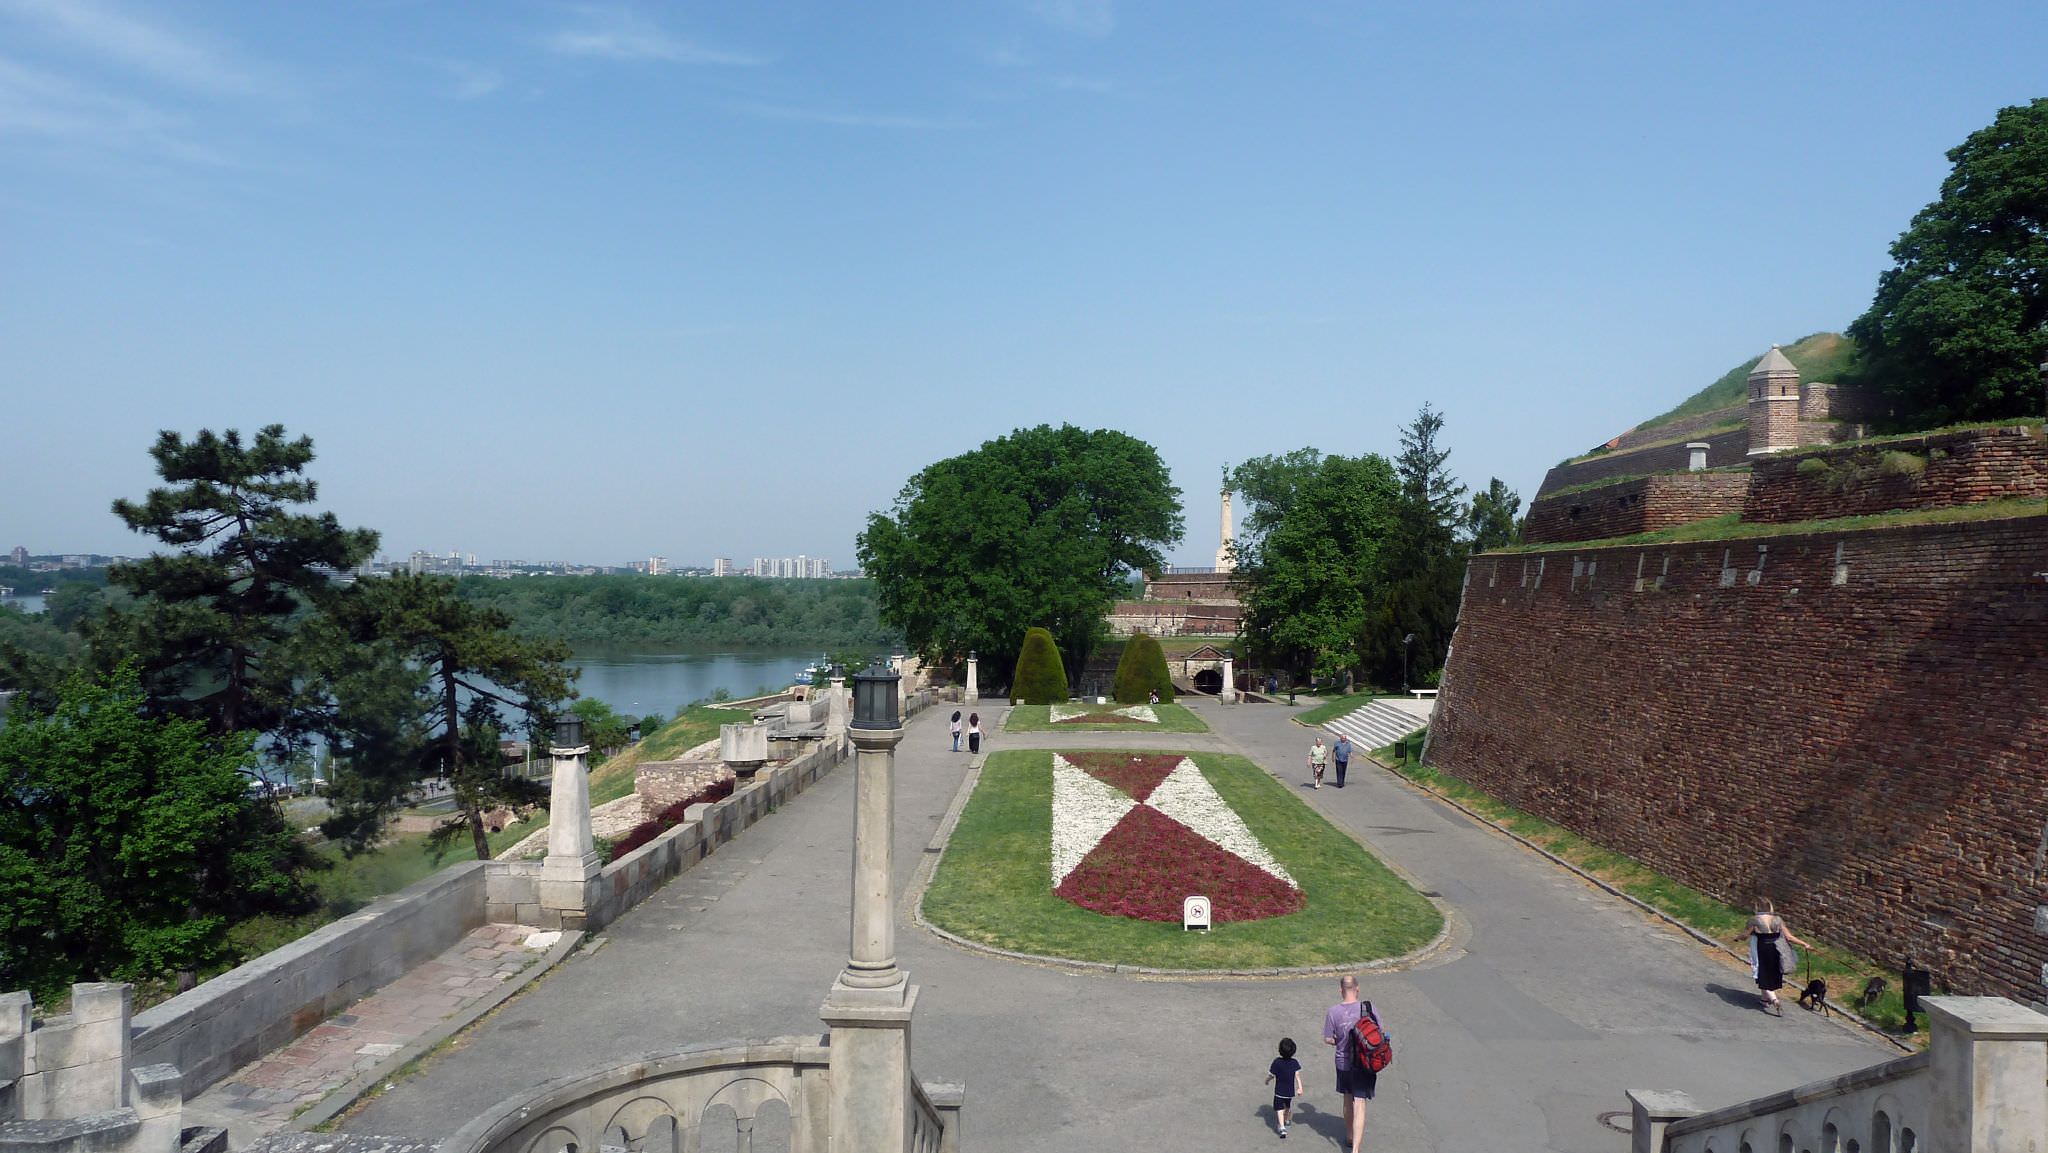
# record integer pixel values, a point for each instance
(664, 783)
(1627, 507)
(1968, 467)
(1857, 730)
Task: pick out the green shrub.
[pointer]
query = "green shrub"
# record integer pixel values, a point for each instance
(1812, 466)
(1041, 677)
(1895, 463)
(1141, 672)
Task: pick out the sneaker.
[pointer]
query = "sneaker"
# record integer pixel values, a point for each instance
(1283, 1132)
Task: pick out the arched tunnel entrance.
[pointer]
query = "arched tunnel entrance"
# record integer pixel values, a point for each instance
(1209, 681)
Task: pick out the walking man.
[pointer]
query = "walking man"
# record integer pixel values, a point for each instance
(1341, 753)
(1354, 1086)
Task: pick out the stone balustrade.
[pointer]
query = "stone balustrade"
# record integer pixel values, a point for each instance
(68, 1084)
(1981, 1087)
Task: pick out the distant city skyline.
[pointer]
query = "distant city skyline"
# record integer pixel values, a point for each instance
(629, 280)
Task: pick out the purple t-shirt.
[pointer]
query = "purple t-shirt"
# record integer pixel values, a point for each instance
(1337, 1025)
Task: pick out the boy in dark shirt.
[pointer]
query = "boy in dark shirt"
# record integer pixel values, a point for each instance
(1285, 1076)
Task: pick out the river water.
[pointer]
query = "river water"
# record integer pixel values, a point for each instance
(643, 680)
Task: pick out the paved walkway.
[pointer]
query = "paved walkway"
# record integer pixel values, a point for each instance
(1555, 999)
(262, 1097)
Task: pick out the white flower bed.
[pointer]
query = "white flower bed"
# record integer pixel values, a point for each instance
(1085, 809)
(1135, 712)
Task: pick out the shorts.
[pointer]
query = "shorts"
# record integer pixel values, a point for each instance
(1282, 1104)
(1359, 1083)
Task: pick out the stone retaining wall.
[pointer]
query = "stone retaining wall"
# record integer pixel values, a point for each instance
(664, 783)
(1627, 507)
(1851, 723)
(1723, 448)
(1936, 471)
(246, 1012)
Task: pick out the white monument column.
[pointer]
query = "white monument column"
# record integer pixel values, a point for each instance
(835, 707)
(1229, 679)
(572, 861)
(973, 693)
(1224, 561)
(869, 1006)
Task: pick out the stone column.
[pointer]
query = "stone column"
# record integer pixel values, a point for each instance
(835, 709)
(869, 1006)
(1229, 681)
(973, 693)
(1651, 1112)
(572, 862)
(1990, 1073)
(1696, 456)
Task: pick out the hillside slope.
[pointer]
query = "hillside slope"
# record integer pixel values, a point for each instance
(1823, 356)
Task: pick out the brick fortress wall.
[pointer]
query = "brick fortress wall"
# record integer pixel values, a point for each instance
(1627, 507)
(1729, 447)
(1852, 723)
(1955, 468)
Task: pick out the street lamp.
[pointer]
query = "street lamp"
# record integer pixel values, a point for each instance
(874, 699)
(1405, 642)
(568, 733)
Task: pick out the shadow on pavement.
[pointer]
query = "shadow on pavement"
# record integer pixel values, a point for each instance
(1740, 998)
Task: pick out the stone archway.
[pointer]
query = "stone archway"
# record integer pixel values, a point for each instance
(1209, 681)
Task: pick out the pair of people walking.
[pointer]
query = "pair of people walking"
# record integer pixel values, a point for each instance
(973, 732)
(1320, 757)
(1363, 1050)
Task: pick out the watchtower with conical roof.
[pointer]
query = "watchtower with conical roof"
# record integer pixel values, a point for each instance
(1773, 404)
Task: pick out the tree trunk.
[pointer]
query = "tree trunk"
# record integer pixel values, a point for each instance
(452, 759)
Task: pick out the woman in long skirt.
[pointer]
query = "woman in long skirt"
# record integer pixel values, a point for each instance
(974, 732)
(1769, 957)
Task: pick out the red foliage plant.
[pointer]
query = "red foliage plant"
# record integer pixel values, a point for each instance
(1149, 863)
(1134, 773)
(668, 818)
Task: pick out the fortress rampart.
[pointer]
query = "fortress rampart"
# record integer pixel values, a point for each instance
(1854, 723)
(1940, 470)
(1639, 504)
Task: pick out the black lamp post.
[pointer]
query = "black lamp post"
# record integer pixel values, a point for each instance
(874, 698)
(1405, 642)
(568, 732)
(2044, 387)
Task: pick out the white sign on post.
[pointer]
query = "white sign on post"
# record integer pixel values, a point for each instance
(1194, 914)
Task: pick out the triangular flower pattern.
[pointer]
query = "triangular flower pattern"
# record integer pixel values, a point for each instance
(1134, 834)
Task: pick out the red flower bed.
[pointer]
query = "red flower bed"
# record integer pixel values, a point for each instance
(1149, 863)
(1136, 774)
(667, 819)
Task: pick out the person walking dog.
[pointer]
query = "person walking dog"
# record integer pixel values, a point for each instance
(1770, 953)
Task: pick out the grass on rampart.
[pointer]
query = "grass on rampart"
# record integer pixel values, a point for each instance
(1844, 972)
(1038, 719)
(1732, 527)
(994, 884)
(1822, 357)
(683, 732)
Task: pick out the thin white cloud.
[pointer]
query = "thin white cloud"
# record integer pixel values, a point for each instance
(41, 105)
(844, 119)
(123, 39)
(473, 82)
(622, 34)
(1081, 17)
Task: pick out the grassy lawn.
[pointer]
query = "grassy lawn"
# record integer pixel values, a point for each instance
(1038, 719)
(1334, 707)
(688, 729)
(994, 883)
(1844, 972)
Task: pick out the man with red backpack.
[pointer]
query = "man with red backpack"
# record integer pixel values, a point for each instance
(1354, 1029)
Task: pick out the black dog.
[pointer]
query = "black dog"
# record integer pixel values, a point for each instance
(1871, 992)
(1815, 998)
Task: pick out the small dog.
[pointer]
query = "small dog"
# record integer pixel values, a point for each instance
(1871, 992)
(1815, 997)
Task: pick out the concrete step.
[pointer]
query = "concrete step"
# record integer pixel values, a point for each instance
(1376, 724)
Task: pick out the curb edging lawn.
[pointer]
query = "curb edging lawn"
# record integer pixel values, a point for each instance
(1849, 1018)
(935, 852)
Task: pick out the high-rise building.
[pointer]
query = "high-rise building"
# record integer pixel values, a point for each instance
(721, 566)
(19, 557)
(657, 565)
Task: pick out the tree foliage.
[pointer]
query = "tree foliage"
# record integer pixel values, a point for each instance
(128, 842)
(1317, 569)
(1955, 331)
(1040, 678)
(217, 607)
(1038, 527)
(1425, 561)
(1141, 671)
(679, 610)
(1491, 520)
(471, 667)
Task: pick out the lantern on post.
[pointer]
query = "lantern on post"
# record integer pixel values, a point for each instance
(874, 698)
(568, 734)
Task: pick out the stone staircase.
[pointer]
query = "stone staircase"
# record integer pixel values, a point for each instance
(1379, 723)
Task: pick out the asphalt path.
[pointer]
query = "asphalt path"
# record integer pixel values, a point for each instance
(1549, 1001)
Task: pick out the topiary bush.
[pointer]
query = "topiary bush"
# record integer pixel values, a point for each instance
(1142, 671)
(1041, 677)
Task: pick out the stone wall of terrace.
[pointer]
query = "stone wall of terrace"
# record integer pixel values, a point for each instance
(1940, 470)
(1627, 507)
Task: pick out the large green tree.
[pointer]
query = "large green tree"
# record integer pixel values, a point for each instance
(1956, 330)
(1425, 561)
(472, 671)
(1491, 519)
(128, 842)
(242, 563)
(1040, 527)
(1310, 579)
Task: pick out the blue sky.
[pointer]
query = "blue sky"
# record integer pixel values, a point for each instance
(600, 281)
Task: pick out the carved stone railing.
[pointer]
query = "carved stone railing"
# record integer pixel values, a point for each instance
(1981, 1084)
(763, 1097)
